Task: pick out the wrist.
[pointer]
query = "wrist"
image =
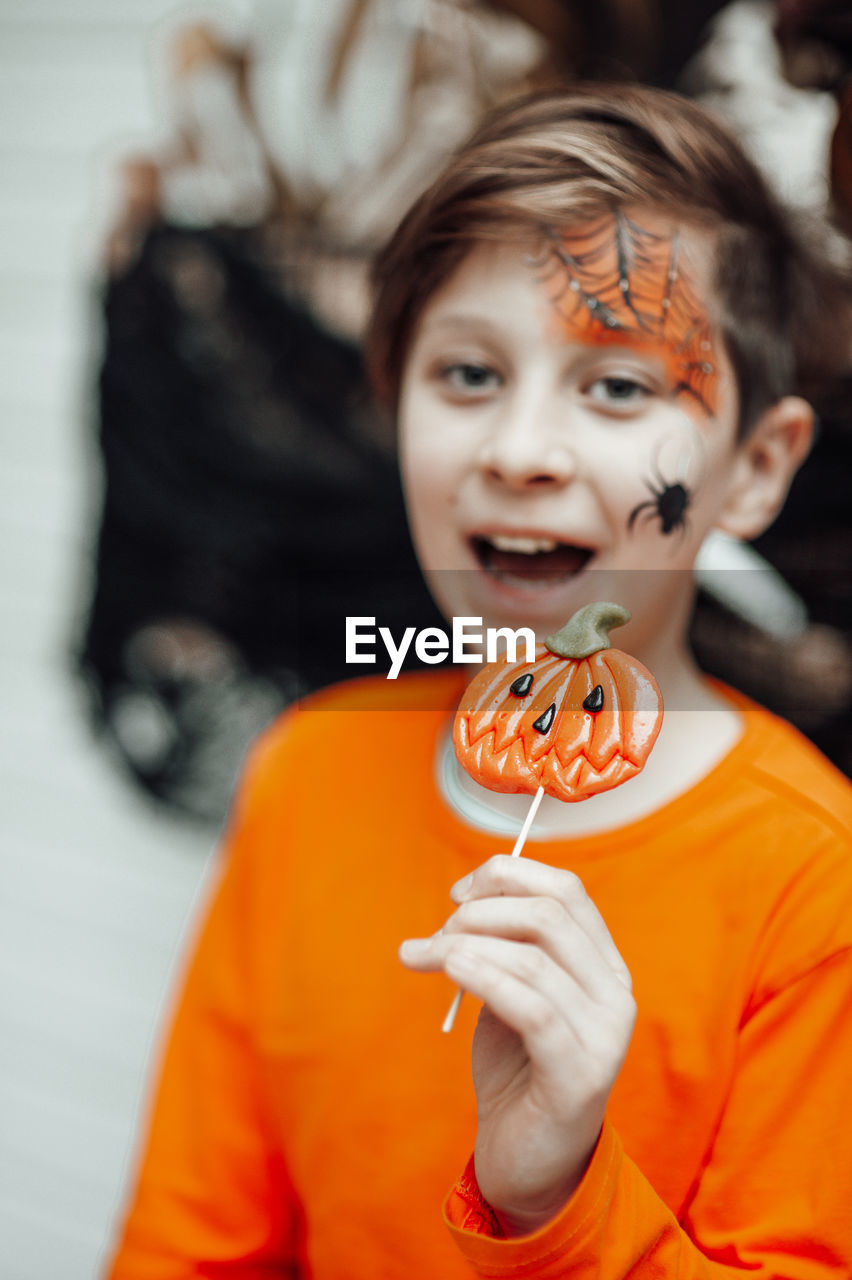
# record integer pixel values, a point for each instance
(526, 1220)
(523, 1218)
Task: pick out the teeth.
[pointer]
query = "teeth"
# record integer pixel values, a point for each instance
(521, 545)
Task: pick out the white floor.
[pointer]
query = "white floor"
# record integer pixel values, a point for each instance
(96, 886)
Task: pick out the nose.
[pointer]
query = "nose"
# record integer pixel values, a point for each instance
(527, 450)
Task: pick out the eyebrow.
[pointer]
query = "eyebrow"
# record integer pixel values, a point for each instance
(462, 320)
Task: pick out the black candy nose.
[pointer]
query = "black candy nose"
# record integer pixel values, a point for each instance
(595, 700)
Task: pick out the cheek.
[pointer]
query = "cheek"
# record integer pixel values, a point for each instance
(428, 481)
(422, 446)
(622, 472)
(430, 497)
(432, 462)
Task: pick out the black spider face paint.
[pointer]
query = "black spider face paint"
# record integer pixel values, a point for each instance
(615, 282)
(669, 503)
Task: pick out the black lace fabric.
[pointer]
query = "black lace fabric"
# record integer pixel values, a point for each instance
(250, 503)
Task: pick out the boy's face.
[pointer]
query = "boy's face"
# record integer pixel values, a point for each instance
(567, 422)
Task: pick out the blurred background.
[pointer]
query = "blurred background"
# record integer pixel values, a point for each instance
(95, 882)
(195, 486)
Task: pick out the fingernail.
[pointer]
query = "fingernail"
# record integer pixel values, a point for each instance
(414, 948)
(461, 888)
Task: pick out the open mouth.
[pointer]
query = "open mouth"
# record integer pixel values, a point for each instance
(529, 562)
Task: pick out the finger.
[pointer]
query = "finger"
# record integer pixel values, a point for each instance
(528, 991)
(542, 1004)
(524, 877)
(546, 923)
(527, 1012)
(524, 962)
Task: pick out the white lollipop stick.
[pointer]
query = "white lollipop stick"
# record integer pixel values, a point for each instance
(448, 1022)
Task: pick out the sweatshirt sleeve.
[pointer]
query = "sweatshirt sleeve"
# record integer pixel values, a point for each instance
(772, 1199)
(212, 1196)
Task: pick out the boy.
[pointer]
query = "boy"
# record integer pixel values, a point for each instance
(592, 328)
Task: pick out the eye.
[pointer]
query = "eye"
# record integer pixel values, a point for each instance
(619, 390)
(469, 377)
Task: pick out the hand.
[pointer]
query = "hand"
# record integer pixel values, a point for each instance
(528, 941)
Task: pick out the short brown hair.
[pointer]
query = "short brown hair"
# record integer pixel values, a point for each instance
(552, 159)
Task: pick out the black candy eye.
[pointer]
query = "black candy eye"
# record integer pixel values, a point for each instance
(545, 720)
(595, 700)
(521, 687)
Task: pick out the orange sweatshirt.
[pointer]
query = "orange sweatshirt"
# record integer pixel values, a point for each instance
(311, 1116)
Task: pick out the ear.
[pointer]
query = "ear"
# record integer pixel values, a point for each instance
(765, 465)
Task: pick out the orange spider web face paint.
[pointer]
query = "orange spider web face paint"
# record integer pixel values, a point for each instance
(617, 282)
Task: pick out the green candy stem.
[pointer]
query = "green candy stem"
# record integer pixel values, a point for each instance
(587, 631)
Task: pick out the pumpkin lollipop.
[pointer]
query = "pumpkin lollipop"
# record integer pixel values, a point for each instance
(580, 719)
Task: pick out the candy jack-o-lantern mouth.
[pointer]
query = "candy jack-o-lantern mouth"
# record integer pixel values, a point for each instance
(528, 560)
(580, 719)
